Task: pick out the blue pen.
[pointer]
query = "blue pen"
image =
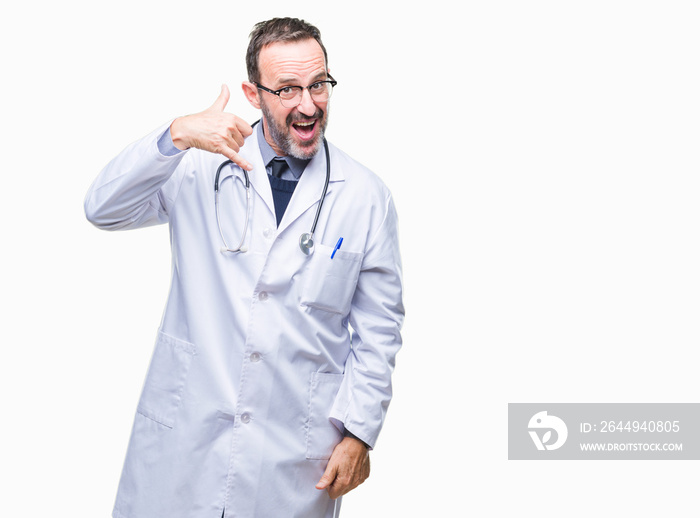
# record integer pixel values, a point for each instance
(337, 245)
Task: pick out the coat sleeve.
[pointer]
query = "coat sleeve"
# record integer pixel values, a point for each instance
(376, 317)
(137, 188)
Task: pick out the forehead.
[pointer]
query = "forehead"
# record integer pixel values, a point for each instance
(301, 60)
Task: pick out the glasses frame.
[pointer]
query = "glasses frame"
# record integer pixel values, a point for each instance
(330, 80)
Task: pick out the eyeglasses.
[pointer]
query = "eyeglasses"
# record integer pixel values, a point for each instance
(290, 96)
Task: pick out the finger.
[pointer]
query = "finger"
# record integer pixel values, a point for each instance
(222, 100)
(236, 159)
(334, 493)
(236, 136)
(328, 476)
(245, 129)
(338, 488)
(235, 129)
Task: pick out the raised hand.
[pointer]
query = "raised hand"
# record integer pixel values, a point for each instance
(213, 130)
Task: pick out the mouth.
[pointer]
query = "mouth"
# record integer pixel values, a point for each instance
(305, 129)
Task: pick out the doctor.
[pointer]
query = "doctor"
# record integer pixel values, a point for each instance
(271, 372)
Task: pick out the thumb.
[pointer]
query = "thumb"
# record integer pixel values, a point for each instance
(328, 477)
(222, 100)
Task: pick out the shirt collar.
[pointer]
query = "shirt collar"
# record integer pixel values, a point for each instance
(296, 165)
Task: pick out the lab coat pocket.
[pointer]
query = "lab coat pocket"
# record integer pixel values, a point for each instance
(330, 283)
(165, 381)
(322, 436)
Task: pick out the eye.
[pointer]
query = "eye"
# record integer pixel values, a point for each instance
(317, 87)
(287, 90)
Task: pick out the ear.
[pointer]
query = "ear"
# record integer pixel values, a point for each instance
(251, 93)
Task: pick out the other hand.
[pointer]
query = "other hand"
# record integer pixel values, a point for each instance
(347, 468)
(213, 130)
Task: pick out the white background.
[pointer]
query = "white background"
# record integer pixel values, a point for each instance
(544, 160)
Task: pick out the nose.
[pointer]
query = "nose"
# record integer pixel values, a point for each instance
(306, 106)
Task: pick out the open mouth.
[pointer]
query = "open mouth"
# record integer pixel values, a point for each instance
(305, 129)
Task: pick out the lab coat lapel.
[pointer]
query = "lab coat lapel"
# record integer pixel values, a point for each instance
(308, 191)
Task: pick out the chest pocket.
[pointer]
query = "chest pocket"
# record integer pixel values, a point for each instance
(329, 284)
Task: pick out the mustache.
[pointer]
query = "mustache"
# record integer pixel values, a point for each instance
(299, 117)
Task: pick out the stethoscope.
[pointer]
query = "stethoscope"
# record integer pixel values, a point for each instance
(306, 240)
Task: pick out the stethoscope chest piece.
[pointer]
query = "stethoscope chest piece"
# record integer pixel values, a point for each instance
(306, 243)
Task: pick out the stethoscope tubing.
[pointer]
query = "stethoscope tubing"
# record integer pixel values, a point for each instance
(325, 186)
(240, 247)
(305, 241)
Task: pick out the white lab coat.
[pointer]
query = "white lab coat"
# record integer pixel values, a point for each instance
(253, 376)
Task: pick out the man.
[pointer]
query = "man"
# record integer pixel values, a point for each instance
(271, 373)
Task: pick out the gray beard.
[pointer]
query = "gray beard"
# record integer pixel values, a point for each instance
(283, 140)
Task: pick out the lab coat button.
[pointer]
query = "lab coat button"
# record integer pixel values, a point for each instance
(245, 418)
(255, 357)
(268, 233)
(262, 296)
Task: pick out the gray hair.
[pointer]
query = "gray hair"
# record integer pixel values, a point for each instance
(277, 30)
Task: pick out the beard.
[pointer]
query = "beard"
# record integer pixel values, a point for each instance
(282, 137)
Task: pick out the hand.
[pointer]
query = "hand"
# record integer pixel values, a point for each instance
(347, 468)
(213, 130)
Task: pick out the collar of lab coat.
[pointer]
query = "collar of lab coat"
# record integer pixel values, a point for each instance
(308, 190)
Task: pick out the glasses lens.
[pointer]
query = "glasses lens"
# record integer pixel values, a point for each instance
(290, 97)
(321, 92)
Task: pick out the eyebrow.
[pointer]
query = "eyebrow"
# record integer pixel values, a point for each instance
(321, 76)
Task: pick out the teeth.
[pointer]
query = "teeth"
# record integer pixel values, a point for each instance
(304, 123)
